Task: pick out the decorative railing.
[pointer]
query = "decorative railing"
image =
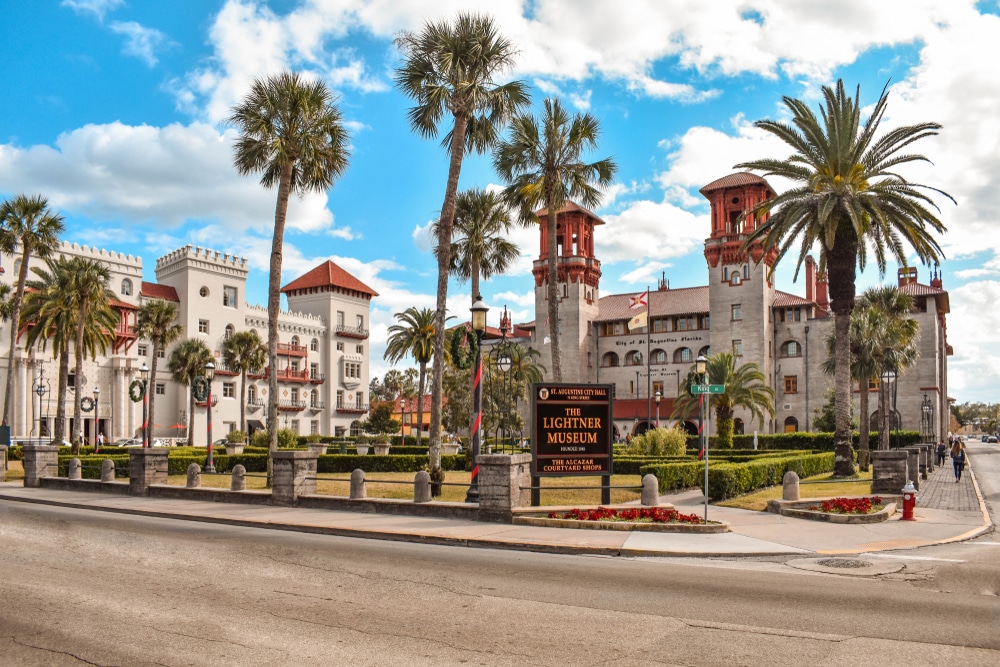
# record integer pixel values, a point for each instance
(317, 378)
(291, 404)
(351, 332)
(352, 408)
(289, 375)
(288, 349)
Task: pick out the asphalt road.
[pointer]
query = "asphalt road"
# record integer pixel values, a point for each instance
(91, 588)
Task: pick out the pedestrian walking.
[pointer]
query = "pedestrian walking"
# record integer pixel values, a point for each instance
(941, 451)
(958, 458)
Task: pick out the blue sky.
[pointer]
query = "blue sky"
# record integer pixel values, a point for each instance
(115, 111)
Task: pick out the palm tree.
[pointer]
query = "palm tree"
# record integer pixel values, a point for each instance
(6, 301)
(880, 321)
(291, 132)
(745, 387)
(541, 164)
(482, 223)
(453, 69)
(28, 224)
(155, 323)
(244, 352)
(413, 335)
(95, 322)
(187, 361)
(846, 197)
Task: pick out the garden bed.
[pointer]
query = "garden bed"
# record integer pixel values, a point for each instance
(812, 510)
(535, 516)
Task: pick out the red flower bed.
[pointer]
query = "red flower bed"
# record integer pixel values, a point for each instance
(640, 515)
(849, 505)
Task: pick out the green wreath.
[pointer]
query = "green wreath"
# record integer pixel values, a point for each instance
(463, 348)
(200, 388)
(136, 390)
(86, 404)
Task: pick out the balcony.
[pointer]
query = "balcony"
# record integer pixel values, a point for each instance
(316, 405)
(351, 332)
(215, 401)
(292, 405)
(222, 369)
(290, 350)
(289, 375)
(255, 404)
(352, 408)
(317, 378)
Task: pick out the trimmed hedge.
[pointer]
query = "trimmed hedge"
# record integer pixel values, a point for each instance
(803, 440)
(677, 476)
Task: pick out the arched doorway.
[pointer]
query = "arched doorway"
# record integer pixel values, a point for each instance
(791, 425)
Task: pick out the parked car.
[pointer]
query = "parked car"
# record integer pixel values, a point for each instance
(991, 439)
(137, 442)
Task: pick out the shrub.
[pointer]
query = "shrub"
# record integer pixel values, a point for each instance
(236, 436)
(259, 439)
(659, 442)
(287, 438)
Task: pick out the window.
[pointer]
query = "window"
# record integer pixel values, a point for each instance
(705, 352)
(203, 326)
(314, 371)
(790, 315)
(737, 311)
(295, 396)
(314, 399)
(314, 427)
(295, 341)
(229, 390)
(352, 369)
(791, 349)
(657, 387)
(340, 397)
(609, 359)
(161, 389)
(340, 346)
(658, 357)
(361, 321)
(360, 349)
(340, 318)
(737, 348)
(251, 394)
(203, 291)
(633, 358)
(126, 287)
(293, 365)
(612, 328)
(230, 330)
(359, 398)
(314, 345)
(161, 353)
(229, 297)
(683, 356)
(141, 350)
(791, 384)
(661, 324)
(71, 380)
(295, 425)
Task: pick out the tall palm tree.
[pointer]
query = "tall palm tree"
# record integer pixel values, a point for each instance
(745, 387)
(480, 248)
(291, 132)
(90, 296)
(846, 197)
(26, 223)
(452, 69)
(50, 317)
(187, 361)
(413, 336)
(155, 323)
(244, 352)
(541, 164)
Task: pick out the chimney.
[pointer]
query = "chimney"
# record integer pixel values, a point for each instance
(936, 277)
(907, 275)
(822, 298)
(810, 278)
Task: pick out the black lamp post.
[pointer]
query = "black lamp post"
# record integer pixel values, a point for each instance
(658, 396)
(41, 389)
(928, 419)
(701, 368)
(888, 379)
(97, 412)
(144, 376)
(479, 310)
(209, 375)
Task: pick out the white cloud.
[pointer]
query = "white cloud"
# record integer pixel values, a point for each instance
(96, 7)
(648, 230)
(974, 369)
(141, 42)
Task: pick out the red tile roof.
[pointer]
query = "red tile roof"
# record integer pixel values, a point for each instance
(736, 180)
(571, 207)
(665, 302)
(157, 291)
(784, 300)
(328, 274)
(115, 303)
(401, 405)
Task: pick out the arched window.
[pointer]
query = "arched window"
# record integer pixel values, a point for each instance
(633, 358)
(683, 356)
(705, 352)
(356, 427)
(230, 330)
(126, 287)
(314, 345)
(251, 395)
(295, 341)
(657, 357)
(609, 359)
(791, 349)
(791, 425)
(314, 399)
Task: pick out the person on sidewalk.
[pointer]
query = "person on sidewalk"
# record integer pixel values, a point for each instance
(941, 451)
(958, 458)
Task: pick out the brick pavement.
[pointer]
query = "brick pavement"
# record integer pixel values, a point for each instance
(939, 491)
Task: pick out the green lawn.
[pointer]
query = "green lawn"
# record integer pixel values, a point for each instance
(857, 486)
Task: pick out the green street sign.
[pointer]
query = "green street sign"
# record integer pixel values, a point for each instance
(708, 388)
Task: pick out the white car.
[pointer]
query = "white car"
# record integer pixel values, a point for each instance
(137, 442)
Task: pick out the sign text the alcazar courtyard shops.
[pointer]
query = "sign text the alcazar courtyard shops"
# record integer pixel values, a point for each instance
(571, 429)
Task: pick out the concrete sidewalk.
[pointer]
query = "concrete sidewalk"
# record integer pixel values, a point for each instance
(962, 516)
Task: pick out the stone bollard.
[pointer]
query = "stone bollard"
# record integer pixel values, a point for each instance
(73, 469)
(503, 482)
(421, 487)
(107, 470)
(358, 490)
(294, 475)
(3, 462)
(194, 476)
(239, 481)
(39, 461)
(790, 486)
(650, 490)
(890, 471)
(146, 466)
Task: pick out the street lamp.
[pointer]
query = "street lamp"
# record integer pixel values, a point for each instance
(479, 310)
(97, 412)
(888, 378)
(144, 376)
(701, 368)
(41, 389)
(658, 397)
(504, 393)
(209, 375)
(928, 414)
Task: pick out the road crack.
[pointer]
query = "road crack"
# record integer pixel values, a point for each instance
(58, 652)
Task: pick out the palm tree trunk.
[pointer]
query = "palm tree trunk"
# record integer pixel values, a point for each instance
(553, 295)
(59, 432)
(151, 395)
(864, 448)
(445, 227)
(475, 280)
(190, 434)
(420, 403)
(15, 314)
(273, 310)
(243, 402)
(843, 462)
(78, 369)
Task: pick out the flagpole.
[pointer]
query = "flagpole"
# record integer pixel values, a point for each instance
(649, 380)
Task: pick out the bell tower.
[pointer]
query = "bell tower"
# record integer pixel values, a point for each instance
(741, 290)
(579, 275)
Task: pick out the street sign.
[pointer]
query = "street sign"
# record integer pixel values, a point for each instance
(708, 388)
